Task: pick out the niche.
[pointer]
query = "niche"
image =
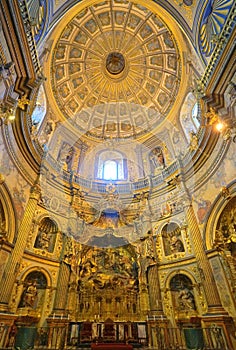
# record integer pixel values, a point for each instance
(172, 240)
(46, 236)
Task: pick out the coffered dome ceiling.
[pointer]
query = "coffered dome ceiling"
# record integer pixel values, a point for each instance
(116, 70)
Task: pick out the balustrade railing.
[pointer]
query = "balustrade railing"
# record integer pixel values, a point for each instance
(66, 336)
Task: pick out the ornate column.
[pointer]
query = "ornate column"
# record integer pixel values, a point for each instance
(60, 303)
(154, 291)
(157, 321)
(209, 284)
(13, 263)
(216, 313)
(62, 289)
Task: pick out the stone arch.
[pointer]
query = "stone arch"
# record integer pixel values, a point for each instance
(185, 272)
(7, 213)
(31, 269)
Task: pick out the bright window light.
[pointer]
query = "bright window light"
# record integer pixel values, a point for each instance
(110, 170)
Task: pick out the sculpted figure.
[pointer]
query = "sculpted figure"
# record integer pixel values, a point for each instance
(186, 299)
(30, 295)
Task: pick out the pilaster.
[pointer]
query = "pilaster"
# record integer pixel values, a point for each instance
(62, 290)
(216, 314)
(14, 261)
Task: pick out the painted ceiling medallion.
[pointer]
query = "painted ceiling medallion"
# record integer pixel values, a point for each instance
(115, 63)
(115, 53)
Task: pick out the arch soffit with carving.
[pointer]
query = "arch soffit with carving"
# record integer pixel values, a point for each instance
(22, 277)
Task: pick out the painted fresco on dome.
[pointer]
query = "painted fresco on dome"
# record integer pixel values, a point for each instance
(38, 13)
(121, 76)
(213, 20)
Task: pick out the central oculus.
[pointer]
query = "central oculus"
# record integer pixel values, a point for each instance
(115, 63)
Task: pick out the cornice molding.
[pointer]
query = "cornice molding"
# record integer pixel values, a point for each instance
(19, 38)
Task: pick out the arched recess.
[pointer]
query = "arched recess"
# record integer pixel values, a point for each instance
(34, 287)
(172, 239)
(181, 287)
(184, 294)
(224, 201)
(46, 234)
(32, 290)
(7, 216)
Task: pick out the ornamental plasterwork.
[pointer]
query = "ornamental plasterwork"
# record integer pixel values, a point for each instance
(23, 101)
(117, 53)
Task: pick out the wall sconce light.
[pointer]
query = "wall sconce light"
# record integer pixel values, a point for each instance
(220, 126)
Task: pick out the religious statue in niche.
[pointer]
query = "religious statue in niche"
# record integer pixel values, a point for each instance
(182, 293)
(157, 159)
(34, 290)
(65, 156)
(172, 240)
(69, 159)
(186, 299)
(43, 240)
(47, 133)
(46, 236)
(30, 297)
(176, 245)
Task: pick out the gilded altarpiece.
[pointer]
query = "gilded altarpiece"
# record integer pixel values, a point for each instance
(108, 281)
